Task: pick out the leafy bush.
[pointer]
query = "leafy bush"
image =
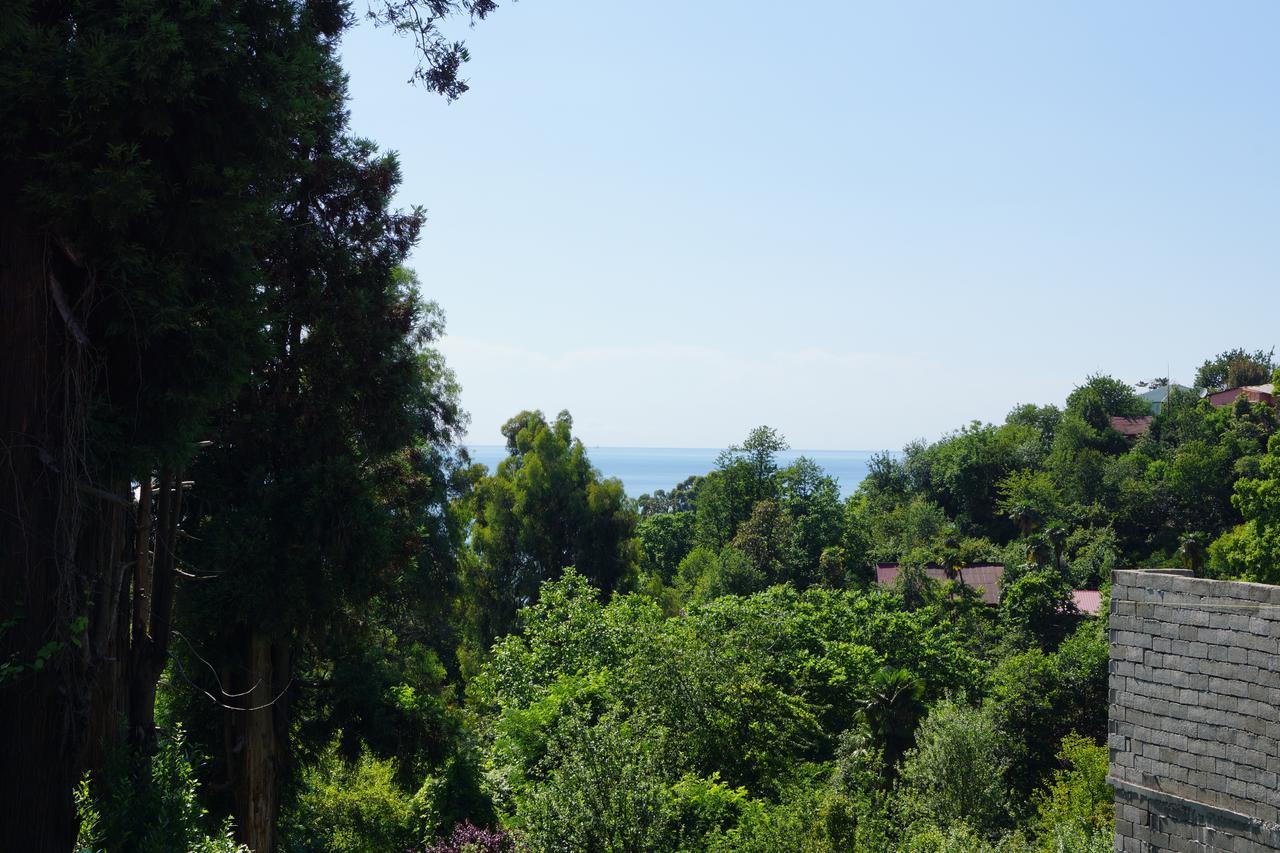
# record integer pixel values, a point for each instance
(1075, 838)
(955, 775)
(705, 806)
(366, 804)
(1039, 604)
(152, 809)
(353, 807)
(1077, 798)
(954, 838)
(766, 827)
(608, 791)
(468, 838)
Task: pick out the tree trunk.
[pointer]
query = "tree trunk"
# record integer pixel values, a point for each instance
(63, 539)
(256, 740)
(44, 688)
(155, 580)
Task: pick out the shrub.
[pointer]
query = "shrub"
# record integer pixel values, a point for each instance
(956, 773)
(1039, 604)
(353, 807)
(149, 812)
(703, 806)
(608, 791)
(955, 838)
(1077, 797)
(468, 838)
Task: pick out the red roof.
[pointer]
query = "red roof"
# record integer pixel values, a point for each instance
(1252, 393)
(1131, 427)
(1087, 600)
(984, 577)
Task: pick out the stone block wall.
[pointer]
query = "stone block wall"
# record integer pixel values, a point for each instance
(1195, 713)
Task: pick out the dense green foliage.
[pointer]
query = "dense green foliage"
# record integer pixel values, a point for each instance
(1062, 488)
(260, 595)
(1236, 367)
(544, 508)
(198, 253)
(1251, 550)
(711, 668)
(159, 813)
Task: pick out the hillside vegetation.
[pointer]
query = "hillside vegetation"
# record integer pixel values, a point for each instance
(554, 666)
(253, 593)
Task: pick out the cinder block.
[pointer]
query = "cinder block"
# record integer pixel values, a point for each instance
(1220, 841)
(1238, 622)
(1233, 687)
(1259, 592)
(1263, 693)
(1215, 651)
(1120, 622)
(1253, 708)
(1195, 692)
(1259, 642)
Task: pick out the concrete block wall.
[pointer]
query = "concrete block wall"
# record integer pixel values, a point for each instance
(1194, 731)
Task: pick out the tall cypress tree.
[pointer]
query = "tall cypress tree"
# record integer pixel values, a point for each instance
(301, 521)
(145, 150)
(142, 147)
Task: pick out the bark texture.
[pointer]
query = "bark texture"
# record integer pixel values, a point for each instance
(256, 739)
(45, 689)
(87, 573)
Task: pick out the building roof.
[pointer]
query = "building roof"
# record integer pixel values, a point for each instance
(1088, 601)
(1253, 393)
(1131, 427)
(1160, 393)
(985, 577)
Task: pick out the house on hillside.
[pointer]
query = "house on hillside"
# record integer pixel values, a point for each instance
(986, 578)
(1131, 428)
(1253, 393)
(1155, 396)
(1088, 601)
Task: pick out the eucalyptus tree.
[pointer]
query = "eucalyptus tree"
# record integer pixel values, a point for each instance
(544, 508)
(745, 474)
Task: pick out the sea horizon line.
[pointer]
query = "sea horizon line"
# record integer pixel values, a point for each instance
(470, 446)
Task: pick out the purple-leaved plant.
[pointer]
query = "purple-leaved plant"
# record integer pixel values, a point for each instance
(469, 838)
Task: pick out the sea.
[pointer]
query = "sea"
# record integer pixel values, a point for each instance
(644, 470)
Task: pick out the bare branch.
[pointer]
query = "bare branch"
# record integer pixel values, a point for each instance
(60, 300)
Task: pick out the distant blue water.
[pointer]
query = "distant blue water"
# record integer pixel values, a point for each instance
(645, 469)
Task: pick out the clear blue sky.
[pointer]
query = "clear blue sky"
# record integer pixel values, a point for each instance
(859, 223)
